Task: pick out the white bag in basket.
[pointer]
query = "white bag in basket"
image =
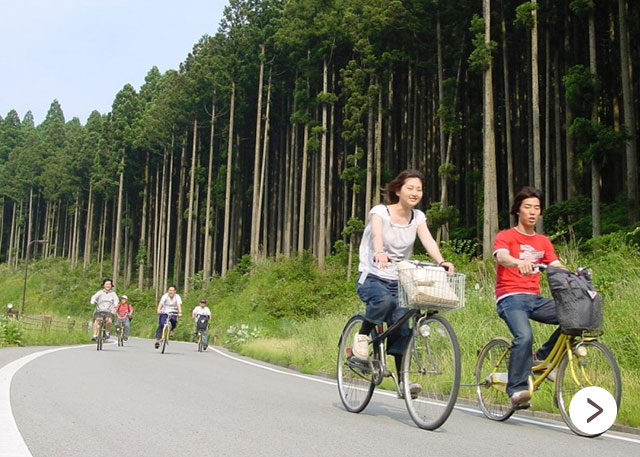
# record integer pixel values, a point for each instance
(426, 284)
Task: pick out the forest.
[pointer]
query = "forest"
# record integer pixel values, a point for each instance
(278, 131)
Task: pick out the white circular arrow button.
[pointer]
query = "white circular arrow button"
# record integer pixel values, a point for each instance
(593, 410)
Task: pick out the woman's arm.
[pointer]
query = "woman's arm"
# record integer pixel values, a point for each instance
(379, 256)
(431, 246)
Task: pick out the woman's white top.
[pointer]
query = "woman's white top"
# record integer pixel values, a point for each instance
(398, 240)
(170, 305)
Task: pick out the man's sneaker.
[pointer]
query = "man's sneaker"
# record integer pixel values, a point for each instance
(520, 400)
(94, 337)
(360, 348)
(172, 333)
(107, 336)
(157, 344)
(205, 347)
(414, 389)
(126, 338)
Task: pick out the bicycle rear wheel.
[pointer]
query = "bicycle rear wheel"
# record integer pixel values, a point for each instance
(355, 383)
(591, 364)
(491, 380)
(432, 361)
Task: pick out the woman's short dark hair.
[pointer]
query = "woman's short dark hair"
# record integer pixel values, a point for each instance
(172, 285)
(526, 192)
(396, 184)
(104, 281)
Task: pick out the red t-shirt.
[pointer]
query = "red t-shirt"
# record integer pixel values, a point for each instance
(535, 248)
(123, 309)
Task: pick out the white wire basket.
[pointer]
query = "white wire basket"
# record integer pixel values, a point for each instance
(427, 286)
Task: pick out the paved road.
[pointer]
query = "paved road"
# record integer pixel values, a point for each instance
(136, 401)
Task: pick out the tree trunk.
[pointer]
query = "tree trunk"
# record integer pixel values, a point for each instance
(262, 250)
(192, 177)
(535, 104)
(143, 222)
(177, 259)
(629, 115)
(116, 250)
(255, 228)
(88, 234)
(227, 198)
(167, 246)
(322, 227)
(207, 220)
(547, 120)
(303, 190)
(490, 218)
(595, 166)
(558, 129)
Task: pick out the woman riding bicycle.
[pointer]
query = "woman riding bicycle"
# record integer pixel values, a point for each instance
(169, 307)
(388, 238)
(517, 251)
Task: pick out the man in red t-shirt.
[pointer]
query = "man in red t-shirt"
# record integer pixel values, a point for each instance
(518, 251)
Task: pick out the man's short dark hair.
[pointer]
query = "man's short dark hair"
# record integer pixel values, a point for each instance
(526, 192)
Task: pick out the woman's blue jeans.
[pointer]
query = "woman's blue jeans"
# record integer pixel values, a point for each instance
(516, 310)
(381, 297)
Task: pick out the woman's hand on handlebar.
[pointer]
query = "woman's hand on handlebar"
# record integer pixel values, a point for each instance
(382, 259)
(448, 266)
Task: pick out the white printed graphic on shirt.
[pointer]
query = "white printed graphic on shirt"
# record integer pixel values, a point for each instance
(529, 253)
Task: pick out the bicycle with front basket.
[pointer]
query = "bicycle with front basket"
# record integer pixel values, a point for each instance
(101, 317)
(431, 358)
(577, 360)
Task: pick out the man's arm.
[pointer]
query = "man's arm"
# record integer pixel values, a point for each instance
(507, 260)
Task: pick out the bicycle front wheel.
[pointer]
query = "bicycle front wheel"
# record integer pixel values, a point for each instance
(200, 343)
(591, 364)
(431, 372)
(165, 338)
(355, 383)
(491, 380)
(100, 336)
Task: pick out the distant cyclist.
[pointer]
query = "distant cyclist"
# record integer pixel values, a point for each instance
(105, 300)
(202, 315)
(170, 306)
(124, 313)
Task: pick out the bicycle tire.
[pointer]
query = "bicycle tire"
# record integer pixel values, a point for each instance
(355, 383)
(491, 388)
(597, 367)
(121, 335)
(100, 336)
(200, 343)
(431, 360)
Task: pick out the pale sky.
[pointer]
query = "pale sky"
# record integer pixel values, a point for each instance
(82, 52)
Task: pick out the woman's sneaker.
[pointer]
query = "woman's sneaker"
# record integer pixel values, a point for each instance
(414, 390)
(360, 348)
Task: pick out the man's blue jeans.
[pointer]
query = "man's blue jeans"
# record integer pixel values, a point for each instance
(516, 310)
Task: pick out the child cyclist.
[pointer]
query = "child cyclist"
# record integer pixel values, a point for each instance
(124, 313)
(202, 315)
(388, 238)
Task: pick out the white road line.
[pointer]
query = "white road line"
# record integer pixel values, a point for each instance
(391, 394)
(13, 444)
